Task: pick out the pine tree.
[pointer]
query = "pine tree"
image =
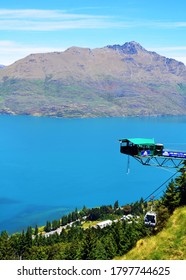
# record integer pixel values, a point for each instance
(117, 231)
(6, 250)
(38, 253)
(110, 246)
(98, 252)
(36, 231)
(73, 251)
(48, 226)
(181, 182)
(69, 217)
(21, 245)
(55, 224)
(163, 215)
(171, 198)
(64, 221)
(88, 244)
(116, 205)
(28, 237)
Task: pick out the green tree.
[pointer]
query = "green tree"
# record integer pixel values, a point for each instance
(163, 215)
(36, 231)
(94, 214)
(109, 245)
(74, 216)
(116, 205)
(64, 221)
(181, 182)
(83, 212)
(138, 206)
(171, 197)
(21, 245)
(69, 217)
(28, 238)
(55, 224)
(38, 253)
(73, 250)
(105, 210)
(6, 250)
(88, 244)
(98, 251)
(127, 209)
(117, 231)
(48, 226)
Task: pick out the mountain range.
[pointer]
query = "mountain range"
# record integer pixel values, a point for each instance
(117, 80)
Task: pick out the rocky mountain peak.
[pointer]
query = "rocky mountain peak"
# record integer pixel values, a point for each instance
(128, 48)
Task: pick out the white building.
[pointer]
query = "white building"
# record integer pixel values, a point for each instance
(104, 224)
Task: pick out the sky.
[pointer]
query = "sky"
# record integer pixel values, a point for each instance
(37, 26)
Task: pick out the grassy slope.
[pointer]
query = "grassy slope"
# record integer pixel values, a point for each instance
(169, 244)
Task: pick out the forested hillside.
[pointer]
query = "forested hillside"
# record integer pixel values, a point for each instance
(83, 240)
(169, 244)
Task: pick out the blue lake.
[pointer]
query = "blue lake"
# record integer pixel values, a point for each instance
(50, 166)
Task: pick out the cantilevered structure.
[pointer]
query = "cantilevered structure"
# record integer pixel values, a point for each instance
(147, 152)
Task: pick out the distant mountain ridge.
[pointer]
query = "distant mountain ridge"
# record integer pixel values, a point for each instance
(118, 80)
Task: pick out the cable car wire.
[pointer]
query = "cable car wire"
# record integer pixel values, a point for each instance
(161, 185)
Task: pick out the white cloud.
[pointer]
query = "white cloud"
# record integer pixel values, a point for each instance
(51, 20)
(173, 48)
(175, 52)
(11, 51)
(40, 14)
(163, 24)
(28, 25)
(180, 58)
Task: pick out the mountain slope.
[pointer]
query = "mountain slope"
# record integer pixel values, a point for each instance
(81, 82)
(169, 244)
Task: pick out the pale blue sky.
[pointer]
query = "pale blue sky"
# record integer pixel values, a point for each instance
(55, 25)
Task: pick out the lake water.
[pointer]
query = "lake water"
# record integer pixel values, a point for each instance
(50, 166)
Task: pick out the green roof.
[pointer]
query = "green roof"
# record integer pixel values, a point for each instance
(141, 141)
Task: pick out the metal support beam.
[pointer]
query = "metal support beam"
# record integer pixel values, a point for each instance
(160, 161)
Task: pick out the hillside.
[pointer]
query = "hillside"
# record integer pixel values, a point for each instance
(116, 80)
(101, 233)
(169, 244)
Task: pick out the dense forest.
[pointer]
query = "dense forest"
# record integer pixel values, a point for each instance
(77, 241)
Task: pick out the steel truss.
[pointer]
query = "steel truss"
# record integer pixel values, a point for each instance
(160, 161)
